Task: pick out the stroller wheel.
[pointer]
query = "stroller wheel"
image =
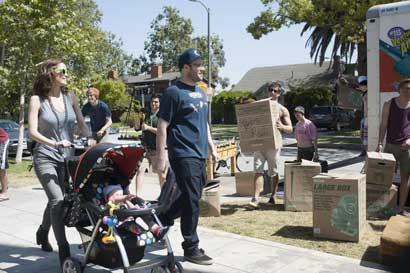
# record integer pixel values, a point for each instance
(178, 268)
(72, 265)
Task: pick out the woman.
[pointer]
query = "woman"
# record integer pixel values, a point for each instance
(53, 113)
(306, 136)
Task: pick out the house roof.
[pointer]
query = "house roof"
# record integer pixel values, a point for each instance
(146, 78)
(292, 75)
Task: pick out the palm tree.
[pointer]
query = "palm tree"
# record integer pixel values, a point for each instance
(320, 39)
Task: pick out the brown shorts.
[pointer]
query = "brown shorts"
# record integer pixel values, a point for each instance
(151, 156)
(402, 156)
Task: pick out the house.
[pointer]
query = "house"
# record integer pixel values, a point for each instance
(294, 75)
(156, 82)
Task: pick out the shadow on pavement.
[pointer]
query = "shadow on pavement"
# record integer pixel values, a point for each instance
(346, 162)
(15, 259)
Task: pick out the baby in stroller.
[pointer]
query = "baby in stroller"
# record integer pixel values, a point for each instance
(115, 198)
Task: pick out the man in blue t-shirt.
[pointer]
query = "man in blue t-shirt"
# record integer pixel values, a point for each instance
(99, 113)
(184, 129)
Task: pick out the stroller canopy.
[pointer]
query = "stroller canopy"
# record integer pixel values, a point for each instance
(125, 158)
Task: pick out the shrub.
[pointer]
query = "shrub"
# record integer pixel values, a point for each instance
(223, 106)
(309, 97)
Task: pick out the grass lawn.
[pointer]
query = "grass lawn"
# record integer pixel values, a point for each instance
(19, 175)
(292, 228)
(224, 131)
(335, 139)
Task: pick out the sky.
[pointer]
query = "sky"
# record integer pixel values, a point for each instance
(130, 20)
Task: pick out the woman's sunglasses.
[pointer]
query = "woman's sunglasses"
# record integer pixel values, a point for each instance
(61, 70)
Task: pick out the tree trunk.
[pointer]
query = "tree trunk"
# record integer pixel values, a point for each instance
(362, 58)
(19, 153)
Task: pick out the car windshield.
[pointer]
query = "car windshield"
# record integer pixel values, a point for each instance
(8, 126)
(325, 110)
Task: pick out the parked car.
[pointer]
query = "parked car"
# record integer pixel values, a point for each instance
(12, 129)
(330, 117)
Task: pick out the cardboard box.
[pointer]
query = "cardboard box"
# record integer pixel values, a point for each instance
(245, 183)
(299, 184)
(257, 126)
(395, 240)
(381, 200)
(380, 168)
(339, 206)
(210, 202)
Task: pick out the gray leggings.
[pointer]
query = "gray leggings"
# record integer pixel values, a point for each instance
(51, 174)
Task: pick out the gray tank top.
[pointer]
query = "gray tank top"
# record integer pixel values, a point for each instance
(56, 126)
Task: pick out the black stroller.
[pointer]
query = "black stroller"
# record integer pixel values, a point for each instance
(85, 210)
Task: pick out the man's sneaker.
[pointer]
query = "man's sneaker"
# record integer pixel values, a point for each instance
(272, 200)
(198, 256)
(254, 203)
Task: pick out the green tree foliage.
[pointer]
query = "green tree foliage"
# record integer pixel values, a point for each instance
(339, 21)
(223, 106)
(171, 34)
(34, 30)
(113, 93)
(309, 97)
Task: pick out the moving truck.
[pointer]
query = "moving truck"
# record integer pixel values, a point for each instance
(388, 58)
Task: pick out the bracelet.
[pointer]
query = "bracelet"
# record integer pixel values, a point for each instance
(380, 144)
(55, 144)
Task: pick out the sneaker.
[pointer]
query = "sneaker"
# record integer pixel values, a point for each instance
(198, 256)
(254, 203)
(272, 200)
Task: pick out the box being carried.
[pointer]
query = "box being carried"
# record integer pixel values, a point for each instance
(380, 168)
(299, 184)
(257, 126)
(339, 206)
(381, 200)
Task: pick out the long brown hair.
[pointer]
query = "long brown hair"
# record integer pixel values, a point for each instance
(44, 79)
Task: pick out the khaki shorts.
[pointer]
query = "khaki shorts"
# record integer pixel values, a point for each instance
(269, 156)
(402, 156)
(151, 156)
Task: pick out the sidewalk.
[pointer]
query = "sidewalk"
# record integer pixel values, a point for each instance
(232, 253)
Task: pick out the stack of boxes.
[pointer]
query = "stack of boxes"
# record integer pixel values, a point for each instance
(381, 193)
(339, 201)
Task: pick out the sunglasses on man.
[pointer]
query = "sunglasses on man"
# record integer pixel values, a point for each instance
(276, 90)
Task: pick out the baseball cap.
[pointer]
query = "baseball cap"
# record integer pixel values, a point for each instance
(187, 57)
(300, 109)
(362, 80)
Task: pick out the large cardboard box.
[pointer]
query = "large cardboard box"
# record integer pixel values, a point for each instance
(339, 206)
(210, 202)
(245, 183)
(299, 184)
(380, 168)
(381, 200)
(257, 126)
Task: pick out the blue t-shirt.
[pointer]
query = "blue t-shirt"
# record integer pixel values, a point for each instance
(98, 114)
(185, 108)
